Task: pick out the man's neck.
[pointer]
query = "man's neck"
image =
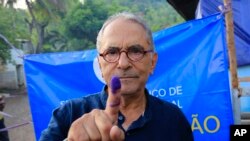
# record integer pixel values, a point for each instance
(132, 107)
(133, 102)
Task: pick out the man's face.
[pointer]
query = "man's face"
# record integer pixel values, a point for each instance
(133, 75)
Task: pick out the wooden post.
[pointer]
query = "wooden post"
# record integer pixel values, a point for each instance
(244, 79)
(231, 45)
(232, 62)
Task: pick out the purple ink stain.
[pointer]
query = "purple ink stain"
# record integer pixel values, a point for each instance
(115, 84)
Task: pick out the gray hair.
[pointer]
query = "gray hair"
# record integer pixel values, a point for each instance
(130, 17)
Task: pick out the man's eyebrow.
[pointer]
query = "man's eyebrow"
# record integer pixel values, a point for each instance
(136, 45)
(113, 47)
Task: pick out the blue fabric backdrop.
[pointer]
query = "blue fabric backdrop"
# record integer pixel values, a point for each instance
(192, 72)
(241, 20)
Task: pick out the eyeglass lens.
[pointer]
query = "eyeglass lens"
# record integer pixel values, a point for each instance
(134, 53)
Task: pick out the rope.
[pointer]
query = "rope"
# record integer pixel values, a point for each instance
(225, 8)
(25, 122)
(11, 45)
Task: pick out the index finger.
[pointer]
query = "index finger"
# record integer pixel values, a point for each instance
(114, 98)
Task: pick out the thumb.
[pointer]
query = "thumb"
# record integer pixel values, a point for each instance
(116, 134)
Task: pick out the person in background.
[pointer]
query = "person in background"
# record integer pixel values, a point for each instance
(3, 134)
(123, 110)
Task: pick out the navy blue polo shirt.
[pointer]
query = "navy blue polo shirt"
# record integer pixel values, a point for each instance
(161, 121)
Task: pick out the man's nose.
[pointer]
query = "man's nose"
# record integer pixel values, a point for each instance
(123, 61)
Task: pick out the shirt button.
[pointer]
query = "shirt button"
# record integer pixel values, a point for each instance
(128, 133)
(120, 117)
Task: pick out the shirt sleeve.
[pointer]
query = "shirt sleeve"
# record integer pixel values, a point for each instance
(59, 124)
(66, 114)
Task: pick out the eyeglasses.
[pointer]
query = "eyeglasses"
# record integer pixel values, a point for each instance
(134, 53)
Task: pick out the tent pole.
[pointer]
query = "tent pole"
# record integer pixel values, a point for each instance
(232, 61)
(231, 45)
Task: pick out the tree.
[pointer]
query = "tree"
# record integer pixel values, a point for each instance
(8, 3)
(9, 31)
(55, 39)
(4, 50)
(83, 22)
(42, 13)
(157, 13)
(68, 25)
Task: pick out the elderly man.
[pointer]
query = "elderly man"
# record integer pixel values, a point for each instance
(123, 110)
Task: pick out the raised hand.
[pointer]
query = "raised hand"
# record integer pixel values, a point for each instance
(100, 125)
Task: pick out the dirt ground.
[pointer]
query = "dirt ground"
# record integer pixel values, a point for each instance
(17, 105)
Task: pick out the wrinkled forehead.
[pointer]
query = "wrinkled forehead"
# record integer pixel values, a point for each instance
(122, 24)
(123, 33)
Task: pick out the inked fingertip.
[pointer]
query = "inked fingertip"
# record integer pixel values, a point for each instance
(115, 84)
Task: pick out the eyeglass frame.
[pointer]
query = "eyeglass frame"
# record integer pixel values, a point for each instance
(126, 52)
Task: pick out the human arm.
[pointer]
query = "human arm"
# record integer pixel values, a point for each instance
(100, 124)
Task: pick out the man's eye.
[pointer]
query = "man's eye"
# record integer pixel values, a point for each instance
(112, 51)
(135, 50)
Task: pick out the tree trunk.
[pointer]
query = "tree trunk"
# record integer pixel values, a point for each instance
(7, 41)
(40, 28)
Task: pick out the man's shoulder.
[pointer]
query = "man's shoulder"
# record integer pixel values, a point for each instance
(89, 99)
(170, 112)
(68, 111)
(75, 108)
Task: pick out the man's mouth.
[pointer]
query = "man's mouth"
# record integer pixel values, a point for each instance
(128, 77)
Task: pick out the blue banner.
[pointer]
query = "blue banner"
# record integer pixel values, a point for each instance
(192, 72)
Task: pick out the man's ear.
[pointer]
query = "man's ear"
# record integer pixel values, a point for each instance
(154, 61)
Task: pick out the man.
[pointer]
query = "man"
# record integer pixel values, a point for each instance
(129, 113)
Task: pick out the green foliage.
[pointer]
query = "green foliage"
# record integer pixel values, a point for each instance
(13, 28)
(83, 22)
(12, 24)
(54, 37)
(115, 6)
(157, 13)
(161, 18)
(71, 25)
(4, 53)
